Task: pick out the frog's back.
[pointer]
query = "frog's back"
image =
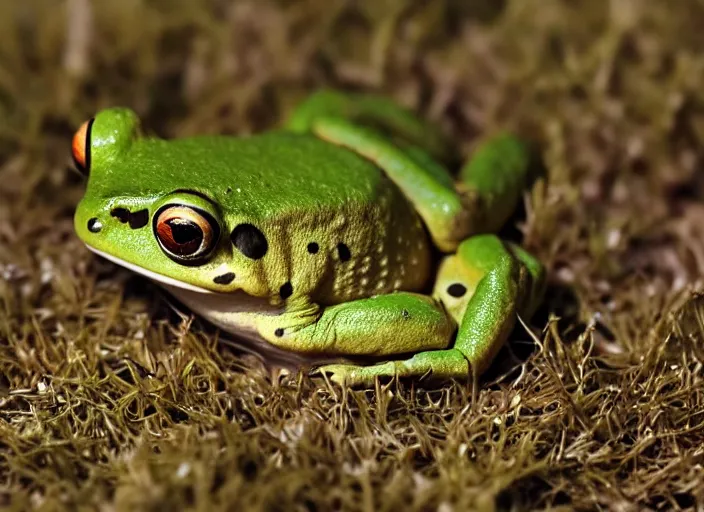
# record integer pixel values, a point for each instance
(336, 227)
(295, 173)
(263, 175)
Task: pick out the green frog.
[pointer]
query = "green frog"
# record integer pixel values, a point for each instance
(340, 241)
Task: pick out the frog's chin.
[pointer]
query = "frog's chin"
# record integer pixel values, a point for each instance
(159, 278)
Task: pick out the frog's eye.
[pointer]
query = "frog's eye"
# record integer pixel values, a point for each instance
(80, 148)
(186, 234)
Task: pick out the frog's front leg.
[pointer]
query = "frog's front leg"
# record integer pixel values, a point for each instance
(486, 284)
(384, 325)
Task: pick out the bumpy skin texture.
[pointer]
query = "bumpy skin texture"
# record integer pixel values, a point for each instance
(318, 238)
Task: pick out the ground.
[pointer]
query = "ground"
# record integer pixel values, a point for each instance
(112, 400)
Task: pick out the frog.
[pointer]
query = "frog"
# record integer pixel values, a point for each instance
(343, 240)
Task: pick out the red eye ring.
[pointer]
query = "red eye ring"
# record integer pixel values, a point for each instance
(80, 147)
(186, 234)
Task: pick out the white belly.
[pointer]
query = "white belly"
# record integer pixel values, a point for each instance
(236, 314)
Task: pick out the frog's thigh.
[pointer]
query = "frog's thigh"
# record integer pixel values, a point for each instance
(396, 323)
(428, 187)
(459, 275)
(377, 110)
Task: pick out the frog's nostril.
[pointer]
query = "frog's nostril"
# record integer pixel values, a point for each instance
(94, 225)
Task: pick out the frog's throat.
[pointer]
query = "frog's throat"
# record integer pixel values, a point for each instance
(148, 273)
(234, 313)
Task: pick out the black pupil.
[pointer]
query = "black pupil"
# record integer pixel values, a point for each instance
(187, 234)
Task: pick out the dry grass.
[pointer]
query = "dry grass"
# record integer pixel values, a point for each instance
(109, 400)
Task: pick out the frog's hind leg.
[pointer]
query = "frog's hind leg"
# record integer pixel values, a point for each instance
(375, 111)
(490, 183)
(484, 286)
(492, 180)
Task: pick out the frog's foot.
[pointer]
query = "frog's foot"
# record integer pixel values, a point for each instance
(354, 375)
(441, 364)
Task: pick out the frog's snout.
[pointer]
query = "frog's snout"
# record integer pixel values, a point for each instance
(98, 219)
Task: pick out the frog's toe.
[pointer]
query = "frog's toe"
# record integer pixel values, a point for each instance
(337, 373)
(352, 375)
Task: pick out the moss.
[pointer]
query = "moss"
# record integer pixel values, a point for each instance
(111, 398)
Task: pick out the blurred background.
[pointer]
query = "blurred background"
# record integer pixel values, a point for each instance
(108, 399)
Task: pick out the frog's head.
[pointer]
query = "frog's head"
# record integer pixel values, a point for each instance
(138, 210)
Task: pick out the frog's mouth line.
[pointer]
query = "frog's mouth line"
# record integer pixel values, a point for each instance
(151, 275)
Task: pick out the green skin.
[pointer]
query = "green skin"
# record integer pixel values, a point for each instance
(356, 170)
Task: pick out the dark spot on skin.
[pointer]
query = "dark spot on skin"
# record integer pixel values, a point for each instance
(136, 220)
(94, 225)
(313, 248)
(279, 332)
(225, 278)
(405, 314)
(286, 290)
(456, 290)
(249, 241)
(139, 219)
(344, 252)
(121, 214)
